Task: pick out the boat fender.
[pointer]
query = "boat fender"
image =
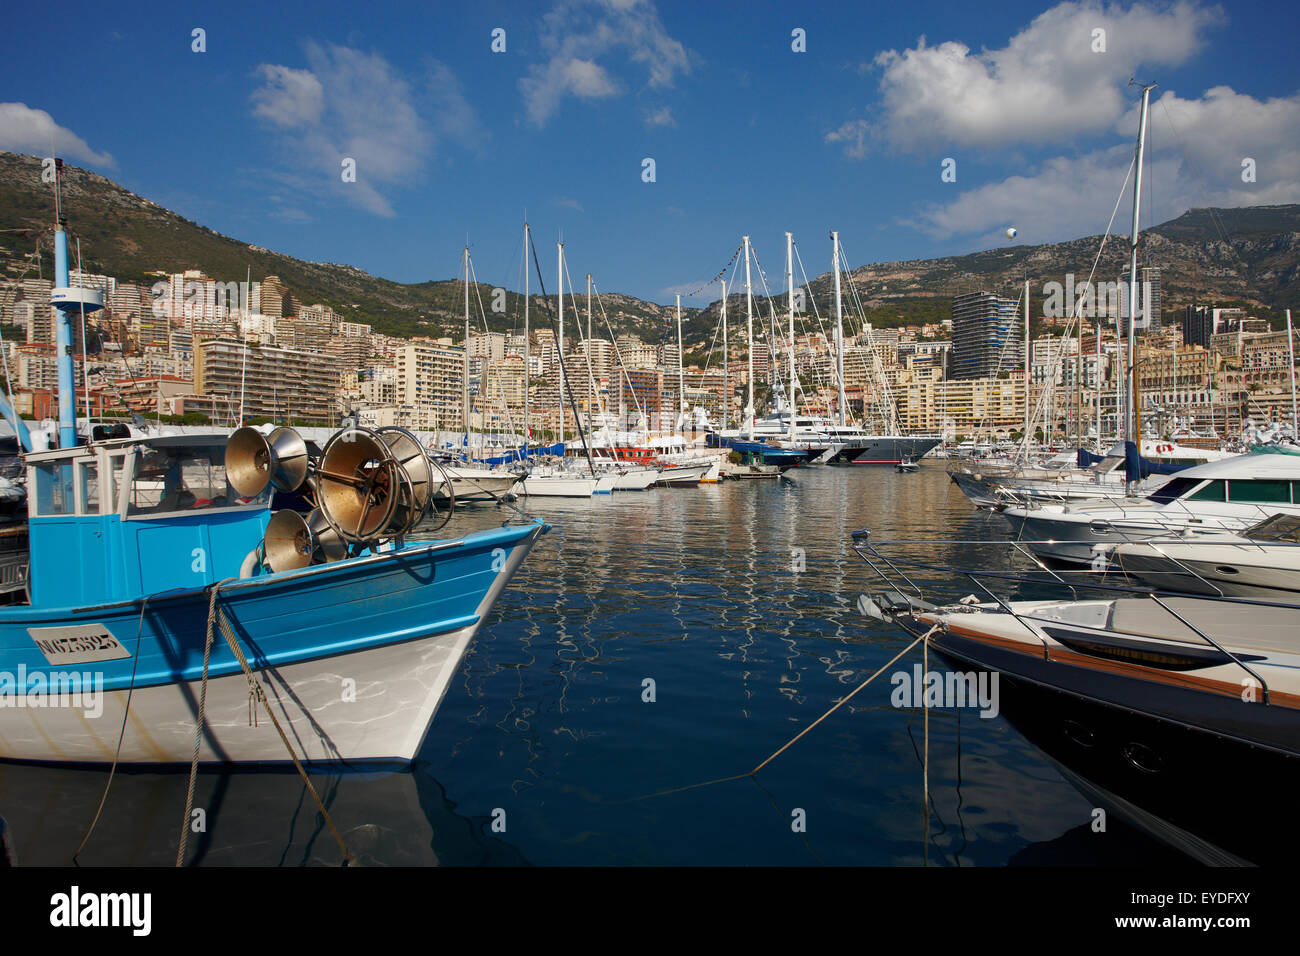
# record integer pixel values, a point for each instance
(252, 561)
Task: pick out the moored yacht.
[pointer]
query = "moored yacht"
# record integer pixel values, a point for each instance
(1222, 496)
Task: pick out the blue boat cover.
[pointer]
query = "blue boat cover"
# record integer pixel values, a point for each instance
(518, 454)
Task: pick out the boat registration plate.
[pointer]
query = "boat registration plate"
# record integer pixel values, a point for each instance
(77, 644)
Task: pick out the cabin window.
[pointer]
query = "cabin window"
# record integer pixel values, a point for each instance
(1215, 491)
(178, 479)
(1261, 492)
(88, 478)
(54, 488)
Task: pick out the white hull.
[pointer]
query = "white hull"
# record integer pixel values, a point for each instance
(638, 480)
(1240, 569)
(373, 705)
(557, 486)
(683, 475)
(474, 484)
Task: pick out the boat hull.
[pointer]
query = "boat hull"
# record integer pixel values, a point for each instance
(547, 486)
(682, 476)
(479, 485)
(354, 658)
(1096, 740)
(891, 449)
(637, 480)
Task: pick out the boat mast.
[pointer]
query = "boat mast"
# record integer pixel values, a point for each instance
(1097, 372)
(465, 382)
(1135, 425)
(839, 322)
(63, 339)
(1290, 351)
(749, 344)
(681, 374)
(559, 345)
(789, 286)
(1025, 443)
(527, 345)
(726, 383)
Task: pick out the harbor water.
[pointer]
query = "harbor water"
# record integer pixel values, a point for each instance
(652, 642)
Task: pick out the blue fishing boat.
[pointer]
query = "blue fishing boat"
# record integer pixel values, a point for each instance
(169, 613)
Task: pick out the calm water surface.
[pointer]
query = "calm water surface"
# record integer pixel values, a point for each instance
(738, 602)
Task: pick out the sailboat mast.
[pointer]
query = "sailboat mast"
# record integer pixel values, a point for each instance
(589, 310)
(749, 345)
(839, 323)
(726, 357)
(465, 381)
(789, 286)
(528, 352)
(1290, 352)
(681, 374)
(1135, 425)
(1025, 444)
(559, 345)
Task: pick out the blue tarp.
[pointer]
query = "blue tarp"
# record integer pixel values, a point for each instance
(1087, 459)
(517, 454)
(1136, 467)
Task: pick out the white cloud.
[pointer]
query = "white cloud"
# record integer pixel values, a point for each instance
(33, 131)
(1047, 85)
(660, 117)
(1212, 135)
(575, 34)
(567, 202)
(351, 104)
(289, 98)
(853, 135)
(1194, 163)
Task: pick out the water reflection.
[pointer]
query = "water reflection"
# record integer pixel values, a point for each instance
(548, 728)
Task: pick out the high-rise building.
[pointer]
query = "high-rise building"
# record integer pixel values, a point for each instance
(276, 383)
(430, 379)
(1148, 300)
(983, 324)
(1198, 325)
(273, 296)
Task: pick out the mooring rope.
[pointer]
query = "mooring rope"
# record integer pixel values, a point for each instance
(255, 689)
(126, 712)
(922, 639)
(217, 616)
(199, 721)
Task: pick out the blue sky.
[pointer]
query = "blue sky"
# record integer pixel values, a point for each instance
(452, 140)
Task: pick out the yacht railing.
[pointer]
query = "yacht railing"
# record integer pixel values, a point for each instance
(951, 590)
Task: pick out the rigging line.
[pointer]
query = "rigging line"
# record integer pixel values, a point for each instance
(885, 404)
(835, 378)
(618, 355)
(484, 374)
(1074, 306)
(1196, 176)
(586, 351)
(708, 360)
(565, 380)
